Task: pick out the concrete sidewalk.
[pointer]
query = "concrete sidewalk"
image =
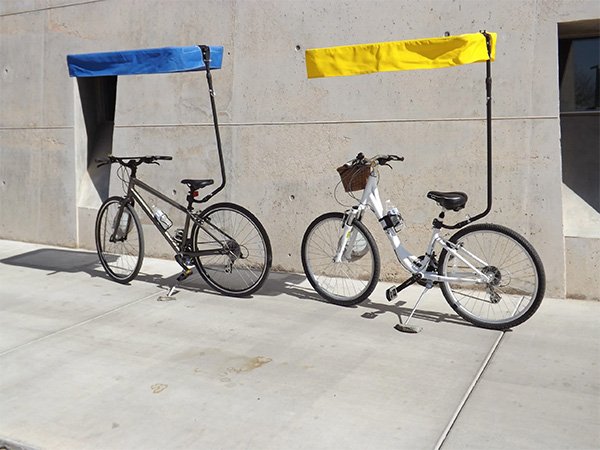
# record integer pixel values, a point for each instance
(87, 363)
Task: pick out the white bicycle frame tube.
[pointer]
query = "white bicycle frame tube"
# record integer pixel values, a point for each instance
(371, 199)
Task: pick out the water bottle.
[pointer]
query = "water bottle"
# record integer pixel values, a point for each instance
(394, 219)
(162, 218)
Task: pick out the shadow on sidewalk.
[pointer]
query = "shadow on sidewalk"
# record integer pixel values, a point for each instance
(377, 309)
(295, 285)
(56, 261)
(277, 283)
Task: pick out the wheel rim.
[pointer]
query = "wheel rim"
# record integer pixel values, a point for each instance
(246, 260)
(509, 284)
(120, 258)
(345, 280)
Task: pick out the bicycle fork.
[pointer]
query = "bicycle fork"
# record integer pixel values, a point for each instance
(348, 237)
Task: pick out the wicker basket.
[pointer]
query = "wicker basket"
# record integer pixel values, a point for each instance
(354, 178)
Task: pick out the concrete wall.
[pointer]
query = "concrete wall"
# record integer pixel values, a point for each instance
(283, 134)
(583, 253)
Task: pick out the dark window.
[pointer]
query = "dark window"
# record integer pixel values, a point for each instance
(579, 78)
(580, 74)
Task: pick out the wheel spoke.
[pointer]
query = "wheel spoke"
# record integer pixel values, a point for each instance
(122, 259)
(346, 282)
(245, 265)
(515, 277)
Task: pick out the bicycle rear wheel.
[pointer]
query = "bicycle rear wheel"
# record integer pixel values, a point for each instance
(515, 282)
(350, 281)
(244, 267)
(122, 257)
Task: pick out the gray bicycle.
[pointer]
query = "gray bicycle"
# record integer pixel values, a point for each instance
(225, 242)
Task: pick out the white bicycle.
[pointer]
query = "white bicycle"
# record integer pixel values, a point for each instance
(489, 274)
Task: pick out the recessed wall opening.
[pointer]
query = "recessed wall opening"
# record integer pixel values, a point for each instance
(98, 98)
(579, 78)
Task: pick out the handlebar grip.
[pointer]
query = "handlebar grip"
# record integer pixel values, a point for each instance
(165, 158)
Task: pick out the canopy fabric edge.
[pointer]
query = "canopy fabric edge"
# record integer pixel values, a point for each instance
(143, 61)
(430, 53)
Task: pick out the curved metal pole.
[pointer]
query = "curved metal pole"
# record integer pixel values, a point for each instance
(206, 57)
(488, 91)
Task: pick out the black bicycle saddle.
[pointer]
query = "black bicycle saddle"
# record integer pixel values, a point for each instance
(197, 184)
(449, 200)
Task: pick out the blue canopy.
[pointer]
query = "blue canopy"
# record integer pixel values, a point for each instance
(143, 61)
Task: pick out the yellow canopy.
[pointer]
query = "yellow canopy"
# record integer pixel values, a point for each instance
(414, 54)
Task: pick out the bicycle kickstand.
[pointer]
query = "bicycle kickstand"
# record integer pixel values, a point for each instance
(182, 276)
(405, 327)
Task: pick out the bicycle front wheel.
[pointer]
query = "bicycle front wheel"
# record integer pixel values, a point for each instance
(239, 251)
(120, 243)
(351, 280)
(508, 285)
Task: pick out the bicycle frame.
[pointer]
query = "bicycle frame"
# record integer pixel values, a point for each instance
(416, 266)
(182, 248)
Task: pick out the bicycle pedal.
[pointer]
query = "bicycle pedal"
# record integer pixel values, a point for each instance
(183, 275)
(391, 293)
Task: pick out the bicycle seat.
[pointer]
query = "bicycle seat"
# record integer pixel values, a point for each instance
(197, 184)
(449, 200)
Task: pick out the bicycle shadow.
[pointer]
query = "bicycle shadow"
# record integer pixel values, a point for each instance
(378, 309)
(54, 261)
(277, 283)
(292, 284)
(296, 285)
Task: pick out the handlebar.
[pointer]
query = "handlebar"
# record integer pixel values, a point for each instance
(378, 160)
(132, 161)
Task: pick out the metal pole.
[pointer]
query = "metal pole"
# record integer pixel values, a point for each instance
(488, 89)
(488, 93)
(206, 57)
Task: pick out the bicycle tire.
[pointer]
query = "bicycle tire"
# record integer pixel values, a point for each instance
(516, 278)
(348, 282)
(122, 260)
(244, 270)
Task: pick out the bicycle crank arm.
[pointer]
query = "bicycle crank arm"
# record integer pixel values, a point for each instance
(392, 292)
